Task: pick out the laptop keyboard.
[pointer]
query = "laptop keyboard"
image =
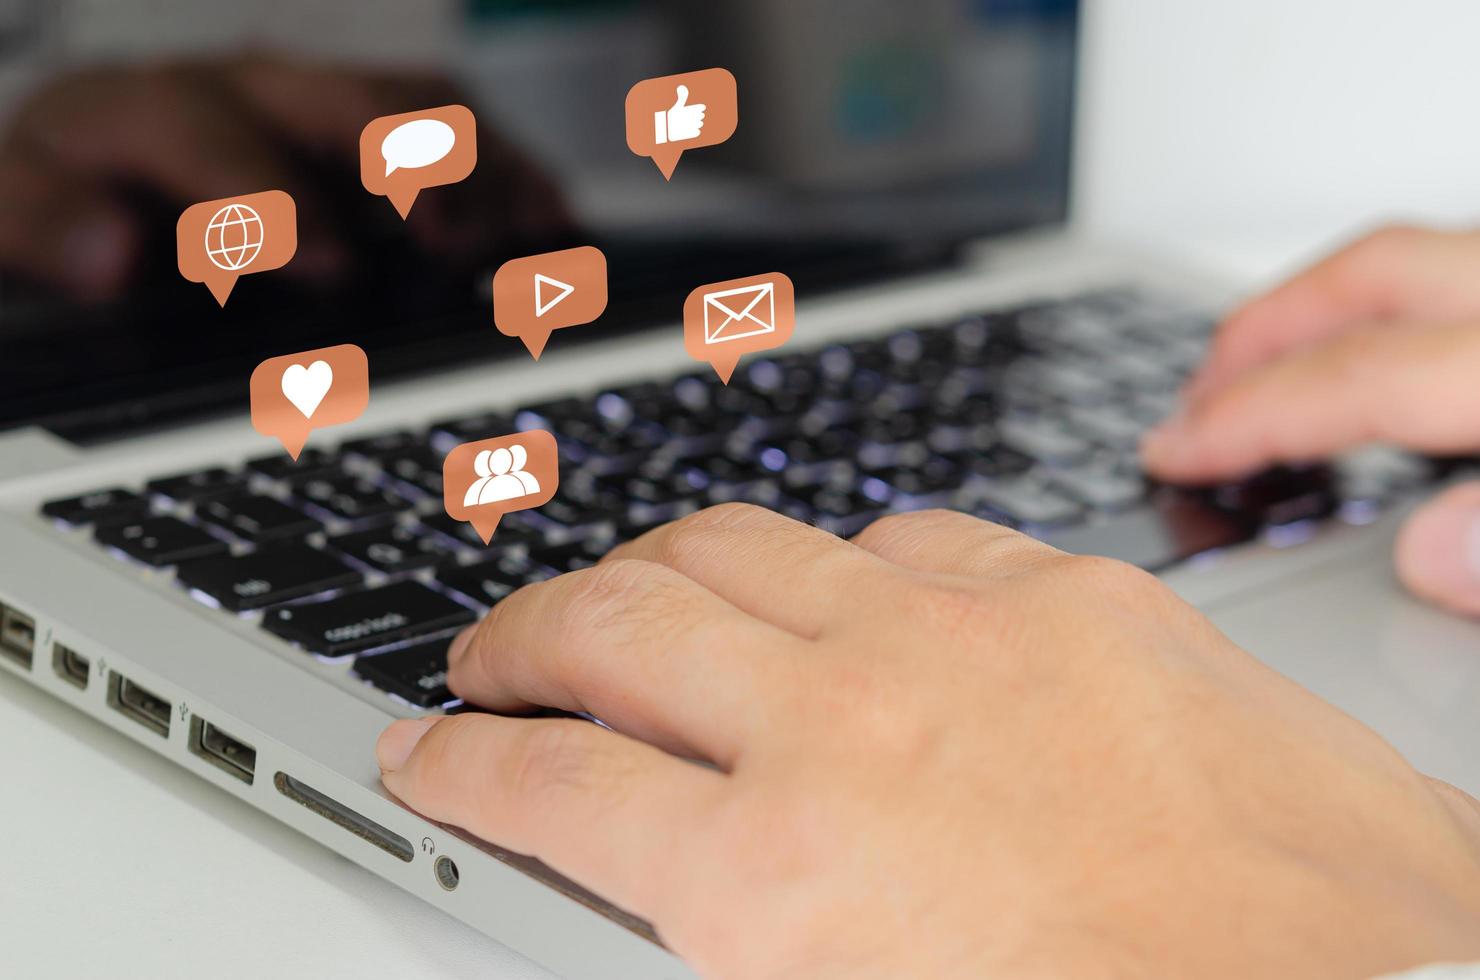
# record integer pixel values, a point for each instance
(1029, 417)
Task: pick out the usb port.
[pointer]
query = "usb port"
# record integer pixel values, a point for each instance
(139, 703)
(70, 665)
(222, 751)
(17, 635)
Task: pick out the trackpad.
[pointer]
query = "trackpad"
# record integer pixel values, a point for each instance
(1347, 631)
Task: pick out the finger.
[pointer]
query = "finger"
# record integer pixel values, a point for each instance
(1413, 386)
(776, 569)
(64, 233)
(638, 645)
(951, 543)
(1438, 550)
(683, 96)
(1398, 273)
(608, 811)
(181, 132)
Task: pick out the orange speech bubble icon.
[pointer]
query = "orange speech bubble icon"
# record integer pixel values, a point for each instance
(404, 154)
(725, 320)
(297, 393)
(484, 480)
(217, 241)
(674, 113)
(536, 295)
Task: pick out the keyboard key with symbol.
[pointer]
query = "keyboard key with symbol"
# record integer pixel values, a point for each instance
(112, 506)
(393, 549)
(262, 578)
(416, 674)
(372, 617)
(254, 517)
(160, 540)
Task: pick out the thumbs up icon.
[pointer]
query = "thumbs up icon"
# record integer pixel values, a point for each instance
(681, 121)
(663, 125)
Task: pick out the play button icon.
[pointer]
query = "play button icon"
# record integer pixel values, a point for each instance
(542, 305)
(538, 294)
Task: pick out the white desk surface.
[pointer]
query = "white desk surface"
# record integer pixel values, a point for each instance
(118, 863)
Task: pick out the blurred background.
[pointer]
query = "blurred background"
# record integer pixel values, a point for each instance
(875, 135)
(1269, 129)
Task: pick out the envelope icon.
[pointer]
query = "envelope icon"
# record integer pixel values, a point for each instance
(733, 314)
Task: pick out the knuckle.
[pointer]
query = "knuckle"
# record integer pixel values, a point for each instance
(553, 758)
(621, 593)
(1111, 578)
(900, 530)
(699, 533)
(955, 609)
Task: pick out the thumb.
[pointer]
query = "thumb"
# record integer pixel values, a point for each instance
(683, 96)
(1438, 550)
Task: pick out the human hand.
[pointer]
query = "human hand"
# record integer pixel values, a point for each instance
(943, 749)
(85, 158)
(1380, 343)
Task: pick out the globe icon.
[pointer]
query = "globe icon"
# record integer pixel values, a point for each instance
(234, 237)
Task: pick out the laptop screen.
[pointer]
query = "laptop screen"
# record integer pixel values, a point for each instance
(873, 137)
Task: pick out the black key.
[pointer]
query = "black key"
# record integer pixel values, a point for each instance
(393, 549)
(417, 673)
(185, 487)
(257, 518)
(572, 555)
(484, 425)
(490, 581)
(935, 475)
(112, 506)
(381, 444)
(573, 513)
(350, 497)
(1023, 501)
(160, 540)
(1171, 527)
(368, 618)
(1280, 495)
(512, 532)
(280, 466)
(420, 468)
(262, 578)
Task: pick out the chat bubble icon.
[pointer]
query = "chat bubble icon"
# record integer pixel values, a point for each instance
(674, 113)
(484, 480)
(724, 321)
(402, 155)
(217, 242)
(538, 294)
(419, 143)
(294, 394)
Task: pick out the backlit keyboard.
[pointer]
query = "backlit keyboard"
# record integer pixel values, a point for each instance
(1029, 417)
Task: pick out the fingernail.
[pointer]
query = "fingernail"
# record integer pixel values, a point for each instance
(396, 743)
(460, 645)
(1439, 554)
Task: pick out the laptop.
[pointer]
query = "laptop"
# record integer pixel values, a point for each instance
(258, 621)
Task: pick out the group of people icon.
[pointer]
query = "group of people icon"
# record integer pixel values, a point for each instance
(501, 476)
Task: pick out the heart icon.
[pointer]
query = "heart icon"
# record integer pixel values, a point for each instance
(307, 386)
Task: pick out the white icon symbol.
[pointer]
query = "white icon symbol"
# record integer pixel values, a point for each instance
(233, 237)
(419, 143)
(306, 387)
(681, 122)
(543, 306)
(732, 314)
(251, 587)
(501, 476)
